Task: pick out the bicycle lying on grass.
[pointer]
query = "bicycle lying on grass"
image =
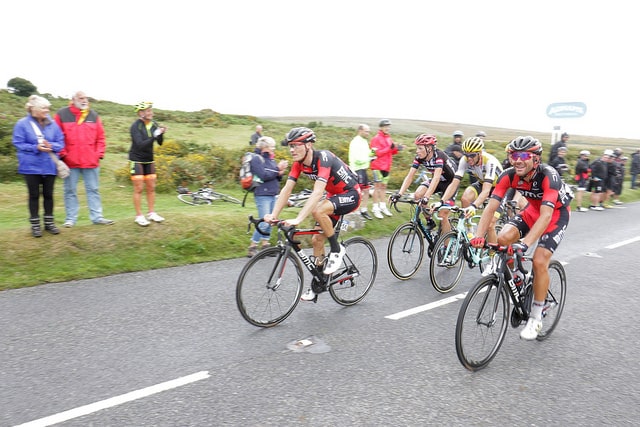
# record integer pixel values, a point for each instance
(405, 250)
(203, 196)
(484, 315)
(271, 283)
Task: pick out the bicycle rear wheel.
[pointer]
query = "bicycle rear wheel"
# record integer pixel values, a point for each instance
(354, 279)
(447, 262)
(226, 198)
(193, 200)
(269, 287)
(482, 323)
(554, 303)
(405, 251)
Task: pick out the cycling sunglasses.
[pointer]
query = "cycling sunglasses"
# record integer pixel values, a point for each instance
(471, 155)
(521, 155)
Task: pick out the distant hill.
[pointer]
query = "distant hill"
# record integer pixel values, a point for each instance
(446, 128)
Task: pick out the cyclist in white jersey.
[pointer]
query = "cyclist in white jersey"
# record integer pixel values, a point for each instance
(486, 168)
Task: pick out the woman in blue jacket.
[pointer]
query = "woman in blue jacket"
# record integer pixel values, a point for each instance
(268, 174)
(35, 136)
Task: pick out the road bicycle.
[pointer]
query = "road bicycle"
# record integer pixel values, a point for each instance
(270, 284)
(203, 196)
(452, 251)
(405, 250)
(497, 299)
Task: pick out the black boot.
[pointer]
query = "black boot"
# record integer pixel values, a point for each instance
(36, 231)
(49, 225)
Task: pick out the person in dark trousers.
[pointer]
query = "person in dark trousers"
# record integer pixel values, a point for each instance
(635, 168)
(35, 136)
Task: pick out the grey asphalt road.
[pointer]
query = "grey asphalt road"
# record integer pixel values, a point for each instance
(99, 352)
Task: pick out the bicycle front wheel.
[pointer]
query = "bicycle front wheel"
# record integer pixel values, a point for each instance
(354, 279)
(447, 262)
(482, 323)
(269, 287)
(226, 198)
(405, 251)
(554, 303)
(193, 200)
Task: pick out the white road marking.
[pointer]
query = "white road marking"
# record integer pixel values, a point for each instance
(426, 307)
(624, 242)
(117, 400)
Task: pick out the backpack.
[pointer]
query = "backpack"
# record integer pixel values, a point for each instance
(248, 181)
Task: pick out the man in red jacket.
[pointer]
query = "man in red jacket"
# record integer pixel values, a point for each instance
(384, 149)
(84, 148)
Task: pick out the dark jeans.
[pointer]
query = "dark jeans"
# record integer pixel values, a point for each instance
(34, 184)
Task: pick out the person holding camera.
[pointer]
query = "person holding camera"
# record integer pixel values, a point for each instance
(35, 137)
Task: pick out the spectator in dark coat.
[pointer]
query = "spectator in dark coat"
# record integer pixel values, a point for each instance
(635, 168)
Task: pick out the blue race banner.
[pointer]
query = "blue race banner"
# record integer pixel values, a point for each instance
(563, 110)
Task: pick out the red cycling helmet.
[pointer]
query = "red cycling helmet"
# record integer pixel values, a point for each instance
(426, 139)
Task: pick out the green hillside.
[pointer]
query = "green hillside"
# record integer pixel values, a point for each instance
(199, 146)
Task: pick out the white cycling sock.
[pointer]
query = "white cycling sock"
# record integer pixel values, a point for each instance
(536, 309)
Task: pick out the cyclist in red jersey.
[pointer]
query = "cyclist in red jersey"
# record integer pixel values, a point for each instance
(544, 220)
(342, 195)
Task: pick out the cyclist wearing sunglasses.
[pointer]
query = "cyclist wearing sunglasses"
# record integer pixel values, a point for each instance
(486, 168)
(544, 220)
(342, 195)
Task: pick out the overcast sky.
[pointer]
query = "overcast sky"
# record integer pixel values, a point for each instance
(492, 63)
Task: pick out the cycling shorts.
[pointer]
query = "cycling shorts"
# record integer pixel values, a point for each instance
(138, 168)
(381, 176)
(363, 179)
(595, 186)
(555, 231)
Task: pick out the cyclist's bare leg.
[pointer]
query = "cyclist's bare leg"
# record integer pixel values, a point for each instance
(138, 186)
(541, 259)
(445, 226)
(150, 183)
(321, 215)
(468, 197)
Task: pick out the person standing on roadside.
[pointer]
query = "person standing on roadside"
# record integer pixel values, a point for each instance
(635, 168)
(256, 136)
(582, 172)
(144, 134)
(35, 137)
(385, 149)
(84, 148)
(561, 143)
(359, 162)
(454, 150)
(598, 180)
(270, 174)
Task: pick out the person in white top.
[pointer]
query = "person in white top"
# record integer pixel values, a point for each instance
(486, 168)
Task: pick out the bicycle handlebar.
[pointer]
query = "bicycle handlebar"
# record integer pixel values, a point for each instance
(518, 256)
(289, 230)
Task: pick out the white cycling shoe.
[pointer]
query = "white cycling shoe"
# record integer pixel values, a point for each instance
(334, 260)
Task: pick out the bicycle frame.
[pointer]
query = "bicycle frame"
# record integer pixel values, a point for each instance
(416, 218)
(504, 274)
(472, 255)
(320, 281)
